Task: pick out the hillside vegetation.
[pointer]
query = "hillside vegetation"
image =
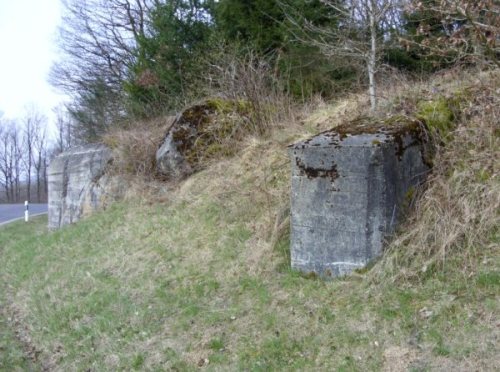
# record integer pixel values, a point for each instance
(199, 276)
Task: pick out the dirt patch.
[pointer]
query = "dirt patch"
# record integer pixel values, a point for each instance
(21, 332)
(397, 359)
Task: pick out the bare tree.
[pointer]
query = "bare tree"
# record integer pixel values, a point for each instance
(40, 154)
(45, 165)
(16, 145)
(11, 160)
(4, 162)
(64, 124)
(98, 38)
(23, 152)
(33, 133)
(362, 30)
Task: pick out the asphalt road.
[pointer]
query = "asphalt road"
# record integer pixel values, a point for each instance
(10, 212)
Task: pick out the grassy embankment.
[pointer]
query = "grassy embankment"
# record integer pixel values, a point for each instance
(203, 279)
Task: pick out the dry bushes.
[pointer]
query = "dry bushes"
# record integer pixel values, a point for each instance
(244, 99)
(457, 217)
(252, 79)
(134, 149)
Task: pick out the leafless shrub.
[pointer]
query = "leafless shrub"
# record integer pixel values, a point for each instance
(364, 27)
(252, 79)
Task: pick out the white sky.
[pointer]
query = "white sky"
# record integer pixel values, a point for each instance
(28, 34)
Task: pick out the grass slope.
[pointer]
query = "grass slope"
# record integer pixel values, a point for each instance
(203, 281)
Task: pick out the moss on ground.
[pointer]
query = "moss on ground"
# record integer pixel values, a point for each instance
(437, 115)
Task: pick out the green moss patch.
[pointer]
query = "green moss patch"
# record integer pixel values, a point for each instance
(437, 115)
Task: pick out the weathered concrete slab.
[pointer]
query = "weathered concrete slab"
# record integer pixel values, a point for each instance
(349, 186)
(76, 181)
(169, 159)
(199, 133)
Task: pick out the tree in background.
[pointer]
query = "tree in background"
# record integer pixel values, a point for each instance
(65, 137)
(11, 160)
(168, 57)
(33, 136)
(410, 56)
(263, 28)
(96, 109)
(30, 127)
(98, 38)
(5, 168)
(365, 29)
(40, 161)
(455, 30)
(23, 155)
(127, 58)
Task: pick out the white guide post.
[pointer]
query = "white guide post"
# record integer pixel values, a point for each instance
(26, 212)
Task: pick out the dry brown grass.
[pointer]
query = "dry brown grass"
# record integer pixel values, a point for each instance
(134, 149)
(457, 217)
(133, 171)
(457, 213)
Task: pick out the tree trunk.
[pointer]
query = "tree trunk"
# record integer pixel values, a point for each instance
(7, 195)
(38, 185)
(372, 56)
(45, 186)
(7, 188)
(372, 85)
(28, 191)
(15, 186)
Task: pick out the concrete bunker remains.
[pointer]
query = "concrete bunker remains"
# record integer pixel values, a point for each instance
(77, 183)
(349, 185)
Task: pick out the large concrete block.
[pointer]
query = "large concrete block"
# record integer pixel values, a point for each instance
(76, 181)
(201, 132)
(349, 186)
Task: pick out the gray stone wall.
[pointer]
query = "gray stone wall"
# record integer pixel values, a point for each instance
(348, 190)
(76, 180)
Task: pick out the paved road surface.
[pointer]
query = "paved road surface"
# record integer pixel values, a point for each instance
(14, 211)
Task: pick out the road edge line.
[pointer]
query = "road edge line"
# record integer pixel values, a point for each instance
(22, 218)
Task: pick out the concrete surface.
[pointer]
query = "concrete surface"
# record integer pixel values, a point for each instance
(348, 193)
(76, 183)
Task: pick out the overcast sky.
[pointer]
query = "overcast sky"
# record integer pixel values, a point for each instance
(28, 34)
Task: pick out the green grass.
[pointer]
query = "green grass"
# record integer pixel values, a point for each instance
(12, 355)
(166, 287)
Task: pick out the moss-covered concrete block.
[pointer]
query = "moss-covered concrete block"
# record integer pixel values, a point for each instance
(349, 186)
(202, 132)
